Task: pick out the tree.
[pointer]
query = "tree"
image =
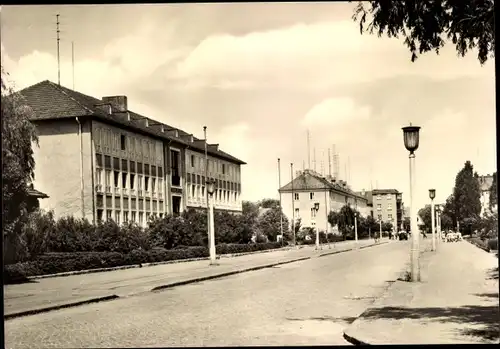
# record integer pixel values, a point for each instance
(371, 224)
(450, 210)
(406, 224)
(425, 214)
(269, 203)
(332, 218)
(425, 24)
(467, 195)
(446, 222)
(345, 220)
(18, 163)
(387, 226)
(493, 192)
(269, 223)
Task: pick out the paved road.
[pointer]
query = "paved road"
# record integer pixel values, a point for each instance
(76, 288)
(302, 303)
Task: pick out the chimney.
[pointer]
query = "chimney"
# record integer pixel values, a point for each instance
(118, 102)
(104, 107)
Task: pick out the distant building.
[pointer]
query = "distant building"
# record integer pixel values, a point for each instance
(485, 183)
(309, 188)
(388, 206)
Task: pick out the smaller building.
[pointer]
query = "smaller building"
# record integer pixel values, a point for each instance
(388, 206)
(485, 184)
(309, 190)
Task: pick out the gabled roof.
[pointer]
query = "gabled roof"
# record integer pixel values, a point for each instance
(309, 180)
(51, 101)
(384, 191)
(35, 193)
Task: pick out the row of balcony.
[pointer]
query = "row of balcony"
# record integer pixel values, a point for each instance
(125, 154)
(125, 191)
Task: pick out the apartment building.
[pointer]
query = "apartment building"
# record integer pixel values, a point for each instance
(309, 188)
(388, 206)
(97, 159)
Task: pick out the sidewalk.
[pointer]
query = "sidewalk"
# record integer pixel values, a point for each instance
(52, 293)
(456, 302)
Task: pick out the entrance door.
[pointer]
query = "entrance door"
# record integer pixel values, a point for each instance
(176, 204)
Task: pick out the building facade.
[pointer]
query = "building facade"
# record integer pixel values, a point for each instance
(309, 188)
(98, 160)
(388, 206)
(485, 183)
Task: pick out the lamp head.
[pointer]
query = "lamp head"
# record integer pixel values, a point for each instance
(432, 193)
(316, 206)
(210, 186)
(410, 134)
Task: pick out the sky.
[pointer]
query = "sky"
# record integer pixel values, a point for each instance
(260, 75)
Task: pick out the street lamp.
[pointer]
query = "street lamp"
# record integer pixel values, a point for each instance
(316, 209)
(211, 227)
(432, 195)
(438, 225)
(356, 226)
(380, 235)
(410, 135)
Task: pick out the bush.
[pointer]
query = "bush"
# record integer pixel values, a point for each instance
(493, 244)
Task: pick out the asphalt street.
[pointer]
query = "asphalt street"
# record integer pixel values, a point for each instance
(302, 303)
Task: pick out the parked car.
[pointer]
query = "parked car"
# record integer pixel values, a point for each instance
(403, 235)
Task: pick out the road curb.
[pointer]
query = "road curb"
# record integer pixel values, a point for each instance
(58, 307)
(229, 273)
(351, 249)
(353, 340)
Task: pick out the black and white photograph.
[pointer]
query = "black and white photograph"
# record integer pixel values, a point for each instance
(249, 174)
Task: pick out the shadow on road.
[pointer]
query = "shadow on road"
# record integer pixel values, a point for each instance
(493, 274)
(348, 319)
(485, 316)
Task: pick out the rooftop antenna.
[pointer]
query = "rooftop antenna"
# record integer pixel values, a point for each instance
(345, 171)
(58, 61)
(73, 62)
(349, 169)
(308, 150)
(322, 163)
(303, 165)
(329, 164)
(314, 159)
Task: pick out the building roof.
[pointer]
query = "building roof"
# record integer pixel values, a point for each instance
(35, 193)
(309, 180)
(384, 191)
(485, 182)
(50, 101)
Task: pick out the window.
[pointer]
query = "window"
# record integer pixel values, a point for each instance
(297, 212)
(389, 206)
(125, 216)
(124, 180)
(379, 206)
(122, 142)
(296, 196)
(117, 178)
(99, 215)
(223, 168)
(389, 196)
(98, 176)
(379, 197)
(153, 184)
(141, 217)
(379, 217)
(117, 217)
(132, 216)
(160, 185)
(146, 183)
(139, 182)
(193, 189)
(108, 178)
(313, 212)
(108, 214)
(132, 181)
(203, 191)
(192, 160)
(311, 196)
(389, 216)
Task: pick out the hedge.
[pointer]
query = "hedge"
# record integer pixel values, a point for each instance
(53, 263)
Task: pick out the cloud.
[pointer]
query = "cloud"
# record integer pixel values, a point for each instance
(335, 112)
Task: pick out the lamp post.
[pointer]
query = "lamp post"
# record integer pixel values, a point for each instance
(211, 227)
(316, 209)
(410, 135)
(438, 225)
(356, 226)
(380, 232)
(432, 195)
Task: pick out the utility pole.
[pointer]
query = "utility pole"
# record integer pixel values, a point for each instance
(73, 62)
(281, 208)
(329, 164)
(58, 60)
(308, 151)
(293, 205)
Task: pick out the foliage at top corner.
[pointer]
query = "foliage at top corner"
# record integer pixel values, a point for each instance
(426, 24)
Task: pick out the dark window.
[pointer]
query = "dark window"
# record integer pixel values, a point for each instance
(176, 205)
(124, 180)
(223, 168)
(148, 205)
(141, 204)
(125, 204)
(122, 142)
(117, 202)
(202, 180)
(116, 163)
(175, 167)
(155, 206)
(99, 215)
(146, 169)
(192, 160)
(117, 178)
(153, 170)
(188, 178)
(109, 202)
(132, 166)
(132, 180)
(198, 179)
(98, 159)
(99, 201)
(107, 161)
(160, 172)
(146, 183)
(139, 168)
(124, 165)
(133, 203)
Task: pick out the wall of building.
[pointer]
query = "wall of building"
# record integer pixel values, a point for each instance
(58, 172)
(385, 208)
(228, 176)
(129, 175)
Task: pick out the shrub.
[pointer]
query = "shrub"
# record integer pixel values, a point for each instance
(261, 239)
(35, 231)
(493, 244)
(166, 232)
(111, 238)
(71, 235)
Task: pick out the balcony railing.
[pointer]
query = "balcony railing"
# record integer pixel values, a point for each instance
(98, 188)
(153, 194)
(147, 193)
(117, 190)
(160, 195)
(108, 189)
(132, 191)
(124, 191)
(139, 192)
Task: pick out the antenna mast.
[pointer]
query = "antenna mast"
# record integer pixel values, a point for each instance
(73, 62)
(329, 164)
(322, 162)
(308, 150)
(314, 159)
(58, 61)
